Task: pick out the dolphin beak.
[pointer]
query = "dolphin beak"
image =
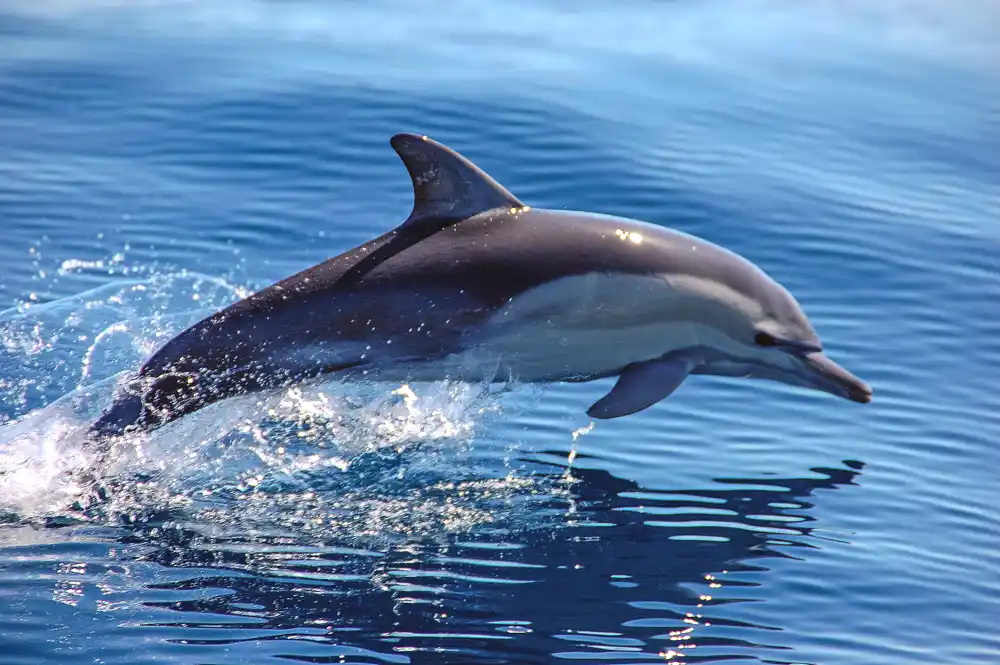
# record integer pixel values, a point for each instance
(830, 377)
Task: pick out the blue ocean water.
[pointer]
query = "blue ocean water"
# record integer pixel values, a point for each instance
(161, 158)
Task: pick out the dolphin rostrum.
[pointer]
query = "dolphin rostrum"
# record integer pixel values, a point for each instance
(477, 286)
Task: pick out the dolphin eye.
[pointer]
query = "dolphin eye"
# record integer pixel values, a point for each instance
(763, 339)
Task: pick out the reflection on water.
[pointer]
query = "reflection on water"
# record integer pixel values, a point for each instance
(642, 574)
(595, 568)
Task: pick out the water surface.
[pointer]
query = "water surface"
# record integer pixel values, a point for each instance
(161, 159)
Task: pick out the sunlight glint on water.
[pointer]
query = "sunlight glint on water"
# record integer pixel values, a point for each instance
(160, 159)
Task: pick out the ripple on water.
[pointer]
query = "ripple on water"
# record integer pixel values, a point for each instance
(433, 532)
(838, 145)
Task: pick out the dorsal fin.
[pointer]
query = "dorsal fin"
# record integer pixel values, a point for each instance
(446, 185)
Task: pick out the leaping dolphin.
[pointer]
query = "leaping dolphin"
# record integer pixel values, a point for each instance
(477, 286)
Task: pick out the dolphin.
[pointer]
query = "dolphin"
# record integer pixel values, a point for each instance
(477, 286)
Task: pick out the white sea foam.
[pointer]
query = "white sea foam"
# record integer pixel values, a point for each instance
(264, 446)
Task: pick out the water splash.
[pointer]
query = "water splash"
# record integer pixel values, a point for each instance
(262, 451)
(40, 467)
(305, 455)
(577, 433)
(48, 349)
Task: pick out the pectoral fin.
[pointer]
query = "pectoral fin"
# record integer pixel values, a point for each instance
(642, 385)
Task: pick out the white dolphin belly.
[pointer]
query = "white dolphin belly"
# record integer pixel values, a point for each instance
(575, 327)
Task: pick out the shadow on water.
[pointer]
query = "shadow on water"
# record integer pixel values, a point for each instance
(599, 569)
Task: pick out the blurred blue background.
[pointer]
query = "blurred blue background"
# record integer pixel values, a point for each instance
(159, 159)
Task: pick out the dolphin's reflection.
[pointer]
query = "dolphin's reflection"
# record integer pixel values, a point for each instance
(625, 575)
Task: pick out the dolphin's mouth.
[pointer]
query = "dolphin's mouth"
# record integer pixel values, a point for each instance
(832, 378)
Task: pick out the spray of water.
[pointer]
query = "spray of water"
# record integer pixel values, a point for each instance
(366, 458)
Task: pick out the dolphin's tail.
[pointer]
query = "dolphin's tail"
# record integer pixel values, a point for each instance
(146, 403)
(124, 412)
